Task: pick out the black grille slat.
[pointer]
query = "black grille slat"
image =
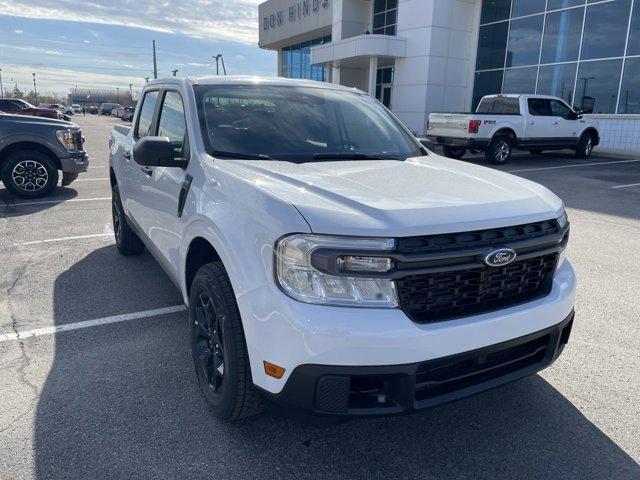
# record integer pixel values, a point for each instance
(478, 238)
(432, 381)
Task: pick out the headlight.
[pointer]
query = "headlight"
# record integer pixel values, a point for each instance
(67, 139)
(299, 279)
(562, 221)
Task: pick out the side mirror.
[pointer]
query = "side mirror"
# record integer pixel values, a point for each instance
(578, 114)
(157, 152)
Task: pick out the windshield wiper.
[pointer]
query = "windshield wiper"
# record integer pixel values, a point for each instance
(352, 156)
(240, 156)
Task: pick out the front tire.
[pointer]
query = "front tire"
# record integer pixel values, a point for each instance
(218, 346)
(29, 174)
(127, 242)
(585, 146)
(499, 150)
(453, 152)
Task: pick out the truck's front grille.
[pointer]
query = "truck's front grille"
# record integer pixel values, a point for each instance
(434, 297)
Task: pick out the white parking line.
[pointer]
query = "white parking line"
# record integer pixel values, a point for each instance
(575, 165)
(90, 323)
(56, 201)
(625, 186)
(101, 179)
(64, 239)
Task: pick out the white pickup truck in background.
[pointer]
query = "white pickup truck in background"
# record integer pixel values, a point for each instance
(504, 122)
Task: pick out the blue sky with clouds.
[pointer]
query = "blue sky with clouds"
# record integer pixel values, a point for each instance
(108, 44)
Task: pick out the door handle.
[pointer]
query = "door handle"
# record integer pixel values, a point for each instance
(147, 170)
(127, 154)
(555, 123)
(531, 122)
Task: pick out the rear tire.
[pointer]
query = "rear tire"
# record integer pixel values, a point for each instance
(535, 151)
(453, 152)
(29, 174)
(499, 150)
(127, 242)
(218, 346)
(585, 146)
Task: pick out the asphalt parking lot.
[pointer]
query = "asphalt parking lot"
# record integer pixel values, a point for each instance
(120, 400)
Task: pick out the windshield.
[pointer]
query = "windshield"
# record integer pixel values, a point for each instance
(298, 124)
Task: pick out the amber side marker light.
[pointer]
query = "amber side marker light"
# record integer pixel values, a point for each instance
(273, 370)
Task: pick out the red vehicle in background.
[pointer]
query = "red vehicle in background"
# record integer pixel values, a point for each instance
(20, 107)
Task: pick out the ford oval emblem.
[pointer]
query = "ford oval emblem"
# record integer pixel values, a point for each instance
(500, 257)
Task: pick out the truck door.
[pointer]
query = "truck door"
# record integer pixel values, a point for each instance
(158, 200)
(565, 123)
(539, 123)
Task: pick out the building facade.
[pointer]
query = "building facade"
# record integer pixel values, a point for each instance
(421, 56)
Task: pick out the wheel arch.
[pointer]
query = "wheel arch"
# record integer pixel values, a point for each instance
(199, 252)
(593, 132)
(508, 132)
(29, 145)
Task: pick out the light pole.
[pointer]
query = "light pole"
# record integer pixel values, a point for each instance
(146, 79)
(35, 90)
(1, 89)
(117, 94)
(174, 72)
(131, 91)
(217, 58)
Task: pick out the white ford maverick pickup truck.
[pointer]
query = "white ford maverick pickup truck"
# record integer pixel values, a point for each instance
(330, 263)
(502, 123)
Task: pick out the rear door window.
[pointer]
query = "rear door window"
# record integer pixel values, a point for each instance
(500, 105)
(143, 128)
(539, 107)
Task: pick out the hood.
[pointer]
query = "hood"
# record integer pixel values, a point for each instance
(418, 196)
(37, 120)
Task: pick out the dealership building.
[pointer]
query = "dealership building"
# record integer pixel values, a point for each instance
(422, 56)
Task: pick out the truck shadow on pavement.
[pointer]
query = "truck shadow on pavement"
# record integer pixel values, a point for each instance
(10, 205)
(121, 401)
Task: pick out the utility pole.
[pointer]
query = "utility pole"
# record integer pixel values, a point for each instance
(1, 89)
(35, 91)
(131, 91)
(224, 69)
(117, 94)
(155, 63)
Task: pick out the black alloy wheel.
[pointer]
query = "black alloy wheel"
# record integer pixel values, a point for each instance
(207, 341)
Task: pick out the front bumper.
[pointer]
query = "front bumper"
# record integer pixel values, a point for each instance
(470, 143)
(397, 389)
(75, 163)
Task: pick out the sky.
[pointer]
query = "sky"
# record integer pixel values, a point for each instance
(107, 44)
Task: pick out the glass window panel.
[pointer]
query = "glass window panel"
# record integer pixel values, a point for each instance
(392, 4)
(561, 41)
(486, 83)
(524, 41)
(520, 80)
(604, 29)
(386, 97)
(634, 36)
(146, 114)
(391, 17)
(378, 20)
(556, 4)
(559, 109)
(557, 80)
(539, 107)
(495, 10)
(527, 7)
(172, 123)
(630, 92)
(491, 46)
(390, 30)
(379, 6)
(597, 86)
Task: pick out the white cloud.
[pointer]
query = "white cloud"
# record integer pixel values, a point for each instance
(235, 20)
(240, 57)
(18, 31)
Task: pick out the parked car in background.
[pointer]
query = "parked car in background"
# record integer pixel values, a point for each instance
(76, 108)
(107, 108)
(127, 116)
(330, 263)
(33, 150)
(58, 106)
(93, 110)
(20, 107)
(118, 112)
(502, 123)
